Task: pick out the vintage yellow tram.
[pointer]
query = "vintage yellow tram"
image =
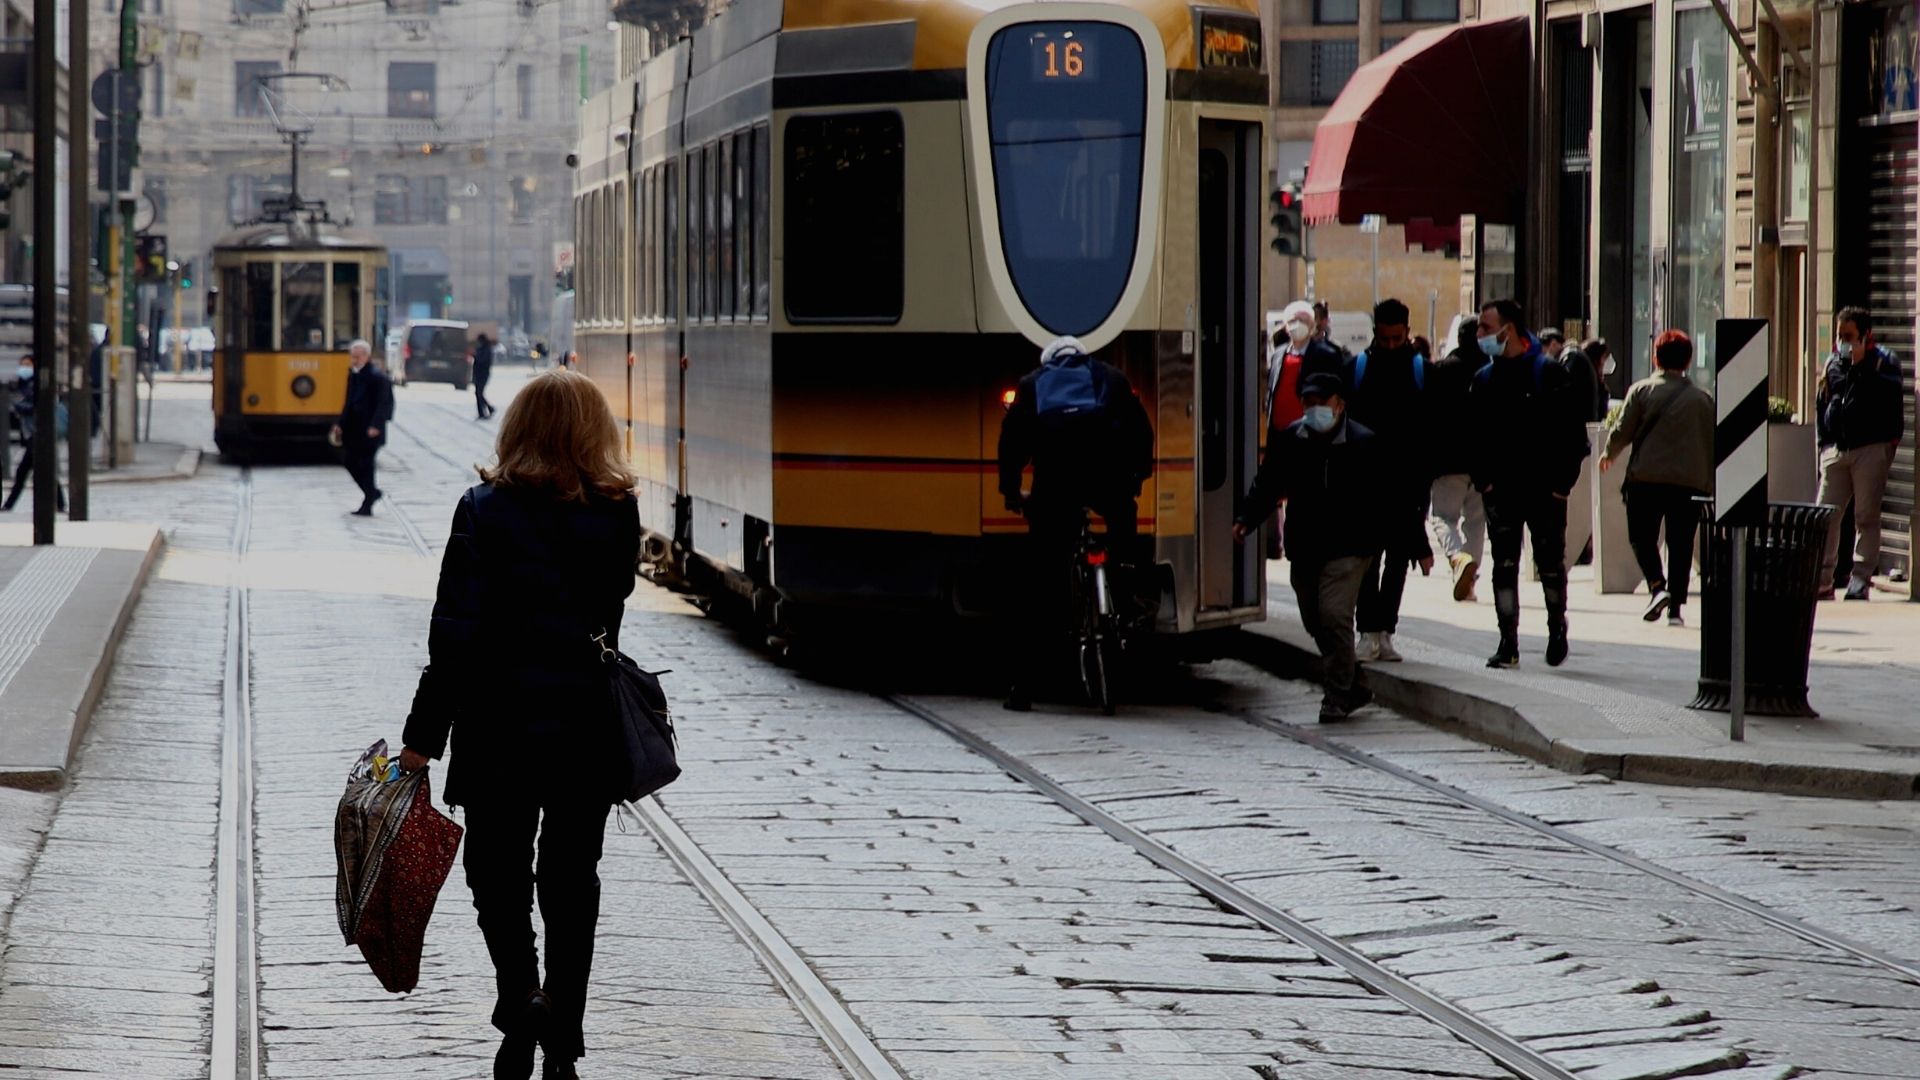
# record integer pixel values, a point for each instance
(818, 241)
(289, 297)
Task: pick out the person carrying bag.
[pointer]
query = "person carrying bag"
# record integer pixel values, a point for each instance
(545, 716)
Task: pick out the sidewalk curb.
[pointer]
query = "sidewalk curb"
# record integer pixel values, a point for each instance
(78, 712)
(185, 467)
(1545, 733)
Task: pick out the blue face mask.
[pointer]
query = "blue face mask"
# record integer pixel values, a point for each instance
(1320, 418)
(1491, 344)
(24, 373)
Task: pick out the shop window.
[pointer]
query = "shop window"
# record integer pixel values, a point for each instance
(520, 202)
(1336, 12)
(1393, 11)
(845, 239)
(1697, 285)
(433, 208)
(523, 90)
(1314, 72)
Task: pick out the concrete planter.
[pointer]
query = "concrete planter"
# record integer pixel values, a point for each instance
(1614, 568)
(1793, 463)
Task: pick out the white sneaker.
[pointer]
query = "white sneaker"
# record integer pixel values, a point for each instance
(1386, 651)
(1368, 647)
(1674, 619)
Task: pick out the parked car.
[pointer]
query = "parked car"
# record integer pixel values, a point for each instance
(435, 350)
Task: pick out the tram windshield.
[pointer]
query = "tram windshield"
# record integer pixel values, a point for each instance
(303, 306)
(346, 304)
(1066, 118)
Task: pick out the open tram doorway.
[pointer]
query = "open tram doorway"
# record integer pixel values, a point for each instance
(1228, 272)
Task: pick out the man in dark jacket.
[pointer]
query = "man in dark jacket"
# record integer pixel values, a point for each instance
(1387, 395)
(1458, 521)
(482, 371)
(1091, 454)
(1328, 469)
(26, 399)
(362, 429)
(1861, 421)
(1524, 415)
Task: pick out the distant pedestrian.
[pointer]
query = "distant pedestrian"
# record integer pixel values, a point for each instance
(1457, 521)
(1589, 399)
(1668, 421)
(539, 562)
(1387, 395)
(362, 428)
(1861, 420)
(1524, 416)
(26, 389)
(1328, 469)
(1323, 330)
(1601, 355)
(1297, 353)
(482, 371)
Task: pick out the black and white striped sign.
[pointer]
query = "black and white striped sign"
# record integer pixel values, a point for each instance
(1740, 364)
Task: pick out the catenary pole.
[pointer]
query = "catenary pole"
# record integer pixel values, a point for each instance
(46, 300)
(79, 274)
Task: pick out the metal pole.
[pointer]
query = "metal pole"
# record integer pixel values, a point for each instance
(129, 69)
(1737, 691)
(1375, 264)
(46, 321)
(79, 275)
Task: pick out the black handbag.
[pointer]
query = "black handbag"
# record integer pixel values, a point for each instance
(645, 753)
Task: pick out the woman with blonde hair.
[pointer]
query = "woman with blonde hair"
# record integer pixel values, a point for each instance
(540, 560)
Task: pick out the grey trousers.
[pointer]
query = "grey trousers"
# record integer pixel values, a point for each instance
(1457, 520)
(1859, 474)
(1327, 593)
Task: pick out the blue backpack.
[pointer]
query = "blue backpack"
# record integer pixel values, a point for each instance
(1070, 387)
(1540, 361)
(1419, 371)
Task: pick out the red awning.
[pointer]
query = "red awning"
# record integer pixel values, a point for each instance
(1434, 128)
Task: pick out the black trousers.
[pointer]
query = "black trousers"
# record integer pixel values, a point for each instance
(359, 461)
(24, 472)
(1542, 515)
(1649, 507)
(1040, 617)
(1385, 583)
(503, 862)
(480, 402)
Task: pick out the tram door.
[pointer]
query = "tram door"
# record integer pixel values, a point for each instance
(1229, 284)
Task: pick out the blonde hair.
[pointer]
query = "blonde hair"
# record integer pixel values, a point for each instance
(560, 435)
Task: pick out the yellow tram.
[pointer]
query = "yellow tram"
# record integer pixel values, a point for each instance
(289, 297)
(818, 241)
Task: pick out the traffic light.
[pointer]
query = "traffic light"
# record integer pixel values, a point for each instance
(12, 178)
(149, 258)
(119, 153)
(186, 273)
(1288, 230)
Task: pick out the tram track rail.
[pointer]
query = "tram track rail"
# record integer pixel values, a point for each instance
(235, 1048)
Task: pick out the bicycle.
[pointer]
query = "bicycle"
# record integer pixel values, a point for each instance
(1098, 621)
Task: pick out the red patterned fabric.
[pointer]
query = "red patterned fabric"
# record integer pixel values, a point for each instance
(395, 851)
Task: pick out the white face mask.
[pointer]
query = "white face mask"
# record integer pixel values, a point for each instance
(1299, 331)
(1320, 418)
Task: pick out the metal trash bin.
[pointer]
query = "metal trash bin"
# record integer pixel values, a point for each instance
(1783, 586)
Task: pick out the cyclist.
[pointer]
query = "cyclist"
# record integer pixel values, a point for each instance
(1077, 422)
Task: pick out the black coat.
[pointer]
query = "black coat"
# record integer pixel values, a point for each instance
(512, 672)
(1448, 381)
(1861, 404)
(1084, 461)
(369, 404)
(1332, 486)
(482, 361)
(1526, 421)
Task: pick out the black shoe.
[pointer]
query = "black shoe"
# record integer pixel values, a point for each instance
(557, 1070)
(1333, 710)
(1857, 589)
(1556, 648)
(366, 510)
(1506, 656)
(514, 1061)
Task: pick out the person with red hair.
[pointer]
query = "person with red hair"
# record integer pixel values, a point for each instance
(1668, 421)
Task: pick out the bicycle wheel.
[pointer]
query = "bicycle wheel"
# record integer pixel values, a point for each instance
(1097, 666)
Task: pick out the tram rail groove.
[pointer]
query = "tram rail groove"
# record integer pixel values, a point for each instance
(1908, 970)
(1509, 1053)
(235, 1048)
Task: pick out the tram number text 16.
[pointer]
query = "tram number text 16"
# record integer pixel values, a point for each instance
(1060, 59)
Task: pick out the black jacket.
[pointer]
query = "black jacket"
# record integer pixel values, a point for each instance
(1861, 404)
(1332, 487)
(1081, 461)
(482, 360)
(1527, 426)
(526, 581)
(369, 404)
(1385, 396)
(1588, 389)
(1448, 381)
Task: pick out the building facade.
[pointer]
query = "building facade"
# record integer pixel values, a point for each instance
(1685, 170)
(443, 128)
(1315, 47)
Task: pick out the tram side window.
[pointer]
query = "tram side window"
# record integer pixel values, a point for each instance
(642, 230)
(762, 220)
(845, 235)
(346, 304)
(696, 236)
(617, 240)
(743, 223)
(710, 210)
(670, 247)
(303, 306)
(723, 246)
(259, 306)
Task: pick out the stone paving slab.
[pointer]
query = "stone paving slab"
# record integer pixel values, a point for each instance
(1617, 707)
(63, 611)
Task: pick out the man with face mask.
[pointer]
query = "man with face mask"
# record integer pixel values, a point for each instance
(1530, 436)
(1861, 420)
(1387, 391)
(1327, 468)
(1298, 353)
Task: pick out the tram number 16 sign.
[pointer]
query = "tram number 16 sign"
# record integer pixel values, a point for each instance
(1060, 58)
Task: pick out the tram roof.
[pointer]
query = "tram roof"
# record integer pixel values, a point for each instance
(288, 236)
(944, 26)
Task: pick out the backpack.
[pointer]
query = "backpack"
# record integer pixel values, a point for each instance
(1540, 361)
(1419, 371)
(1070, 387)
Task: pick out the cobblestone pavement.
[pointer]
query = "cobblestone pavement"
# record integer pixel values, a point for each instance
(972, 926)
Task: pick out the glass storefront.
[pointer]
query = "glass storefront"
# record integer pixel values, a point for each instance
(1698, 236)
